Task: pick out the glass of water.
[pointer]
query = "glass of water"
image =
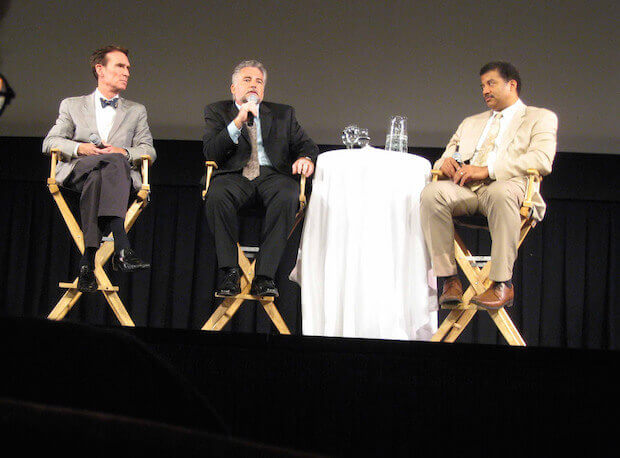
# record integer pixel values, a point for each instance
(396, 138)
(363, 139)
(350, 135)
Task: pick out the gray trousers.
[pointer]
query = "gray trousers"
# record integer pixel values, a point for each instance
(104, 184)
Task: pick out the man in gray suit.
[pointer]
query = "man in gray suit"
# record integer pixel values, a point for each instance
(102, 137)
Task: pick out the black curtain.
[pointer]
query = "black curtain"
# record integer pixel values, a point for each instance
(565, 276)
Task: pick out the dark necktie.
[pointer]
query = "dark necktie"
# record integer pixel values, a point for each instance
(112, 102)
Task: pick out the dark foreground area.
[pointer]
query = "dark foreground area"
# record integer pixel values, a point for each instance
(97, 391)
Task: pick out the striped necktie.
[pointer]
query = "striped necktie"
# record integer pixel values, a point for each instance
(480, 158)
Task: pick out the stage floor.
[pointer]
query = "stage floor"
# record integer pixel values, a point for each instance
(333, 396)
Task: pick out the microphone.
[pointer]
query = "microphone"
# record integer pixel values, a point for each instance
(457, 156)
(251, 98)
(96, 140)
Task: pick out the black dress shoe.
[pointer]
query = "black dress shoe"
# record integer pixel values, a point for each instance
(127, 261)
(228, 281)
(87, 282)
(264, 286)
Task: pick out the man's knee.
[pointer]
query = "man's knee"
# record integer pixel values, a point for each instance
(433, 196)
(287, 196)
(502, 195)
(218, 197)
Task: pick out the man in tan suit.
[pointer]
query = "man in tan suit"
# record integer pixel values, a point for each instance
(485, 166)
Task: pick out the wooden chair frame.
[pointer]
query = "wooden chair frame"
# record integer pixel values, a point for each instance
(229, 306)
(109, 291)
(460, 315)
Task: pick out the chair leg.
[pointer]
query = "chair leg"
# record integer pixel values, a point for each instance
(460, 325)
(446, 325)
(230, 305)
(109, 291)
(223, 314)
(275, 316)
(507, 327)
(65, 304)
(111, 296)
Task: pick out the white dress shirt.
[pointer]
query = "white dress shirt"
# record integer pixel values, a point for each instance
(235, 132)
(104, 117)
(507, 115)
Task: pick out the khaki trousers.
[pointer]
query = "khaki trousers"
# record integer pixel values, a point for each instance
(499, 201)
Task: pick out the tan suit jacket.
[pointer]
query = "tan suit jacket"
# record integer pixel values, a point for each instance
(77, 121)
(529, 142)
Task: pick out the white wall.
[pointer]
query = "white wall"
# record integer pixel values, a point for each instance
(336, 62)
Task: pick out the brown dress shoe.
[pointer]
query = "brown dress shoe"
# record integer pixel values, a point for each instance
(452, 292)
(497, 296)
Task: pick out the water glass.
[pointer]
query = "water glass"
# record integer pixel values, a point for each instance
(350, 135)
(396, 138)
(363, 139)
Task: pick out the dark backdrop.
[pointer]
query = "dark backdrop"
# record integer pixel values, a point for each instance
(566, 275)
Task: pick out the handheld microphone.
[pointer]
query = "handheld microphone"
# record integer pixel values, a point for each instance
(251, 98)
(96, 140)
(457, 156)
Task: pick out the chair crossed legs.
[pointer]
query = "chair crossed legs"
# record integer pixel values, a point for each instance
(229, 306)
(460, 315)
(109, 291)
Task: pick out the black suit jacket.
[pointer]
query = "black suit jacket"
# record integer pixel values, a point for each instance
(284, 139)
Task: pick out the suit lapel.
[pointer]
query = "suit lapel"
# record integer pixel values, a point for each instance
(121, 112)
(468, 145)
(511, 130)
(88, 111)
(266, 119)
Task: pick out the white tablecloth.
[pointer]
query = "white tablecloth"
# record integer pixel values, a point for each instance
(363, 266)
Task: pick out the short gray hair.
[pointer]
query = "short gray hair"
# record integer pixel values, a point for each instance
(249, 63)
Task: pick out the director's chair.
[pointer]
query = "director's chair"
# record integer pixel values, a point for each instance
(229, 306)
(477, 268)
(109, 291)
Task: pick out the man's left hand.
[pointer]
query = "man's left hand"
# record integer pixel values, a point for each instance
(469, 173)
(109, 149)
(303, 166)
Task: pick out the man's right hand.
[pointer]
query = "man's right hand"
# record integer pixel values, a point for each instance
(242, 117)
(449, 167)
(88, 149)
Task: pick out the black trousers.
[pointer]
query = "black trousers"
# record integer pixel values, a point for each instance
(230, 192)
(104, 184)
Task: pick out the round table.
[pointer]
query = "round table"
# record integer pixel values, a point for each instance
(363, 266)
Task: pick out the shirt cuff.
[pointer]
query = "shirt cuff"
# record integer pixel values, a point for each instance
(491, 167)
(234, 132)
(75, 154)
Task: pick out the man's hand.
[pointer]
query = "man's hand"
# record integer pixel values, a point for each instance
(449, 167)
(469, 173)
(242, 116)
(303, 166)
(88, 149)
(109, 149)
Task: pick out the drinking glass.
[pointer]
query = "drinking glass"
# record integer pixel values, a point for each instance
(396, 138)
(363, 139)
(350, 135)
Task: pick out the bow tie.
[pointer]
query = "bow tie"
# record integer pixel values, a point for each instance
(112, 102)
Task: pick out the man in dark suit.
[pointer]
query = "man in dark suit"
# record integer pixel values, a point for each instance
(258, 147)
(101, 137)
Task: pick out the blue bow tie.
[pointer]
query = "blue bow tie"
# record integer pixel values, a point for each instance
(113, 102)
